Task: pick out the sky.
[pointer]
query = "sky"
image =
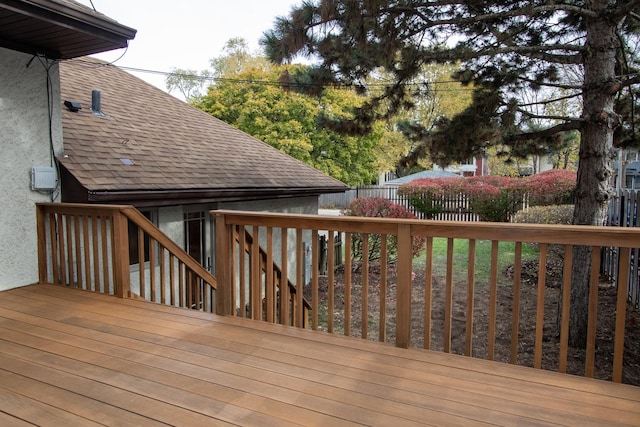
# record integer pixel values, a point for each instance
(188, 33)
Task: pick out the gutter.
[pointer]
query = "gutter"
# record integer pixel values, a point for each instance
(180, 197)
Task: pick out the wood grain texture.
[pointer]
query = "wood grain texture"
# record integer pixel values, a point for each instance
(71, 357)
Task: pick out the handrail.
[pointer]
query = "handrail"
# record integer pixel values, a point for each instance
(404, 234)
(150, 228)
(87, 246)
(278, 275)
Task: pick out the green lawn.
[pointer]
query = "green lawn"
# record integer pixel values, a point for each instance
(506, 254)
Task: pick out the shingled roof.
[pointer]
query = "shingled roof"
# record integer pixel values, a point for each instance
(148, 145)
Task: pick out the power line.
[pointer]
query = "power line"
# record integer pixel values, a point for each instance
(214, 79)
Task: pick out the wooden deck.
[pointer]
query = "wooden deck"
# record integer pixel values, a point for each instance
(70, 357)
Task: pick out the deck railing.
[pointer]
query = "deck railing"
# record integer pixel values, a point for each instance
(272, 278)
(87, 247)
(398, 294)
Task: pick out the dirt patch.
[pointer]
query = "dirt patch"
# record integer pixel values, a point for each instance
(504, 320)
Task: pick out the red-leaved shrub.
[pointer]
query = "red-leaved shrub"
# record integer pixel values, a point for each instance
(553, 187)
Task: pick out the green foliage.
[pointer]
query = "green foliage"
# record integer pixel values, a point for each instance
(237, 58)
(426, 204)
(287, 121)
(189, 83)
(554, 214)
(494, 198)
(375, 207)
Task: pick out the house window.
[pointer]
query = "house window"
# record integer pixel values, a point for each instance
(194, 228)
(133, 240)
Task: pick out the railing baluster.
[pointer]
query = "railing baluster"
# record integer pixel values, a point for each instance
(87, 258)
(69, 244)
(566, 301)
(347, 283)
(448, 299)
(54, 231)
(330, 281)
(268, 277)
(314, 281)
(163, 290)
(152, 270)
(493, 291)
(141, 263)
(365, 286)
(284, 276)
(242, 271)
(592, 323)
(254, 277)
(181, 285)
(78, 251)
(105, 254)
(300, 313)
(96, 256)
(515, 307)
(471, 279)
(542, 275)
(172, 279)
(382, 322)
(621, 310)
(428, 285)
(403, 301)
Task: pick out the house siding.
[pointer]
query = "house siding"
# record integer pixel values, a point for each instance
(24, 142)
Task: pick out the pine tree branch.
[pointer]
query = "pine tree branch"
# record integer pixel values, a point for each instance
(572, 124)
(626, 9)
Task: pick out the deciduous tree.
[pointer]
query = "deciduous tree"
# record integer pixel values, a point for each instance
(253, 102)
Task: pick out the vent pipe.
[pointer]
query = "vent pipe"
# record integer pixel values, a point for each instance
(95, 102)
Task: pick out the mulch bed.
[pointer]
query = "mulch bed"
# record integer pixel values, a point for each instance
(526, 332)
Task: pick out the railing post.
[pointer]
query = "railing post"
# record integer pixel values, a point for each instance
(403, 303)
(42, 244)
(224, 247)
(121, 254)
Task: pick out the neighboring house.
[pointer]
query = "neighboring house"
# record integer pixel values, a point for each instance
(175, 163)
(629, 162)
(34, 35)
(433, 174)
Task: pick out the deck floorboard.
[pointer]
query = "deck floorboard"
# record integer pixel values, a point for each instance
(70, 357)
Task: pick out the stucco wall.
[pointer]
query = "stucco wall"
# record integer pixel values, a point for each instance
(24, 143)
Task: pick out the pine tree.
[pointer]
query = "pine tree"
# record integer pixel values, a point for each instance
(507, 48)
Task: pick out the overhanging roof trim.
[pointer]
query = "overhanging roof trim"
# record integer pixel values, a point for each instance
(104, 32)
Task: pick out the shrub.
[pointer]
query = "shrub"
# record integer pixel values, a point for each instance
(494, 198)
(557, 214)
(380, 208)
(425, 194)
(553, 187)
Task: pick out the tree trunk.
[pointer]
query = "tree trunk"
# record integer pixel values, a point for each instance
(596, 152)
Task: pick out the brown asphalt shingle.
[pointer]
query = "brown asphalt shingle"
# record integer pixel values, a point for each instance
(173, 146)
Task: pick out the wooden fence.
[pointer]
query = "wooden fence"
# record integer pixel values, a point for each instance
(623, 212)
(454, 207)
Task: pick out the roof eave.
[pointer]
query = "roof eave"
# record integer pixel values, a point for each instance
(101, 32)
(181, 197)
